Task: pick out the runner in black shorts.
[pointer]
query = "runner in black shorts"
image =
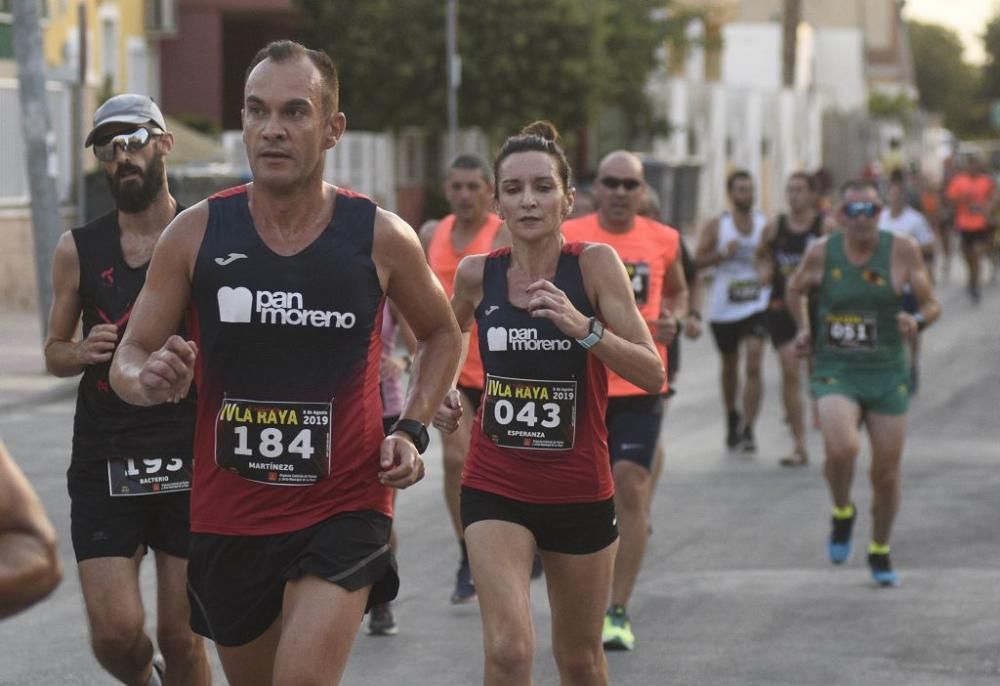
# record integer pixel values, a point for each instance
(781, 248)
(130, 472)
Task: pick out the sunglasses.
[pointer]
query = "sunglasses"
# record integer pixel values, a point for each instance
(852, 210)
(613, 182)
(135, 140)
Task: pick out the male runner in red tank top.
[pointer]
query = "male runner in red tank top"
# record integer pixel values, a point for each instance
(291, 503)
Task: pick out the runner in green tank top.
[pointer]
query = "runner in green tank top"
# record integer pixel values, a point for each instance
(857, 337)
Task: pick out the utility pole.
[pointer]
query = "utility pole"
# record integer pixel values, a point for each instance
(789, 41)
(39, 143)
(454, 66)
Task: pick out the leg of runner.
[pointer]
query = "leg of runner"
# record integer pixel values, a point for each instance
(838, 418)
(753, 389)
(182, 649)
(454, 448)
(576, 585)
(501, 554)
(632, 486)
(252, 664)
(114, 610)
(729, 379)
(886, 433)
(791, 394)
(318, 625)
(971, 251)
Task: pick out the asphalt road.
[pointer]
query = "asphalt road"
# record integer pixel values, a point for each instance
(735, 590)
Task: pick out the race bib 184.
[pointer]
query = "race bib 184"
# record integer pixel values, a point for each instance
(744, 291)
(851, 330)
(529, 414)
(275, 443)
(148, 476)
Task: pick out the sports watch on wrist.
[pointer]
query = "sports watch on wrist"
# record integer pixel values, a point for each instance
(596, 334)
(415, 430)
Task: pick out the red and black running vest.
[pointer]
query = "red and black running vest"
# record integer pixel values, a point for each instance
(540, 435)
(105, 426)
(289, 409)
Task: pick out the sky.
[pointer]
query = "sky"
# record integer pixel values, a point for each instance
(967, 17)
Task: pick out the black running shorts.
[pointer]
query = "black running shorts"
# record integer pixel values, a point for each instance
(634, 428)
(236, 583)
(105, 526)
(729, 334)
(570, 528)
(781, 326)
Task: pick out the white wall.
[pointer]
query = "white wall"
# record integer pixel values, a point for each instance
(752, 55)
(839, 68)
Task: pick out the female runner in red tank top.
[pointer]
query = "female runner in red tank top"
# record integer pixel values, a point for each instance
(538, 473)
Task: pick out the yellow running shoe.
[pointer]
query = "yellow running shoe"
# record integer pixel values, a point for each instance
(617, 633)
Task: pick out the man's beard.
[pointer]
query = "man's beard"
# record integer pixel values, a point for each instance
(134, 196)
(743, 205)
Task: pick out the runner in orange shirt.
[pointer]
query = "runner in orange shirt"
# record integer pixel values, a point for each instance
(973, 195)
(651, 252)
(471, 228)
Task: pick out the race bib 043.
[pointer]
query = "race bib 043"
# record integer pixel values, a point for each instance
(148, 476)
(529, 414)
(851, 331)
(275, 443)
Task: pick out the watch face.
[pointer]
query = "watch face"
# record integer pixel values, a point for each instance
(597, 327)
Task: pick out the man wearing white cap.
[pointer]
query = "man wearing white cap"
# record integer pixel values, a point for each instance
(130, 472)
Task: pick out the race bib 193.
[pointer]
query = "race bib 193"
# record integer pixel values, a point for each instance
(275, 443)
(148, 476)
(851, 330)
(529, 414)
(744, 291)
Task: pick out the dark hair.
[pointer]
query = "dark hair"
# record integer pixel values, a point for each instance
(806, 177)
(539, 136)
(286, 50)
(736, 176)
(473, 163)
(859, 185)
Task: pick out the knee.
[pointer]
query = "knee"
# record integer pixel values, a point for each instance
(178, 643)
(631, 490)
(115, 638)
(581, 665)
(454, 461)
(510, 654)
(753, 367)
(842, 452)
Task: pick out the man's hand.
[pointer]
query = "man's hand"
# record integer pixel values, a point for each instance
(99, 345)
(400, 462)
(665, 329)
(803, 343)
(449, 414)
(692, 327)
(167, 374)
(907, 325)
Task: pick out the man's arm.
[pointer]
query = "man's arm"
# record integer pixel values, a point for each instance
(29, 561)
(706, 253)
(906, 254)
(154, 365)
(764, 254)
(64, 355)
(675, 302)
(807, 277)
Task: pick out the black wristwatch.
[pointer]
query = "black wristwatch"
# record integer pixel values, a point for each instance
(415, 430)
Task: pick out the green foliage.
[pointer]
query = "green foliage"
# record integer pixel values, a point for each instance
(522, 60)
(991, 69)
(947, 84)
(883, 105)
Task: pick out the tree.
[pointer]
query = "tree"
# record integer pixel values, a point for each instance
(991, 69)
(521, 60)
(947, 84)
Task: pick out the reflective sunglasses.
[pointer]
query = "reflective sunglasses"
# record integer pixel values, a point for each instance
(135, 140)
(613, 182)
(852, 210)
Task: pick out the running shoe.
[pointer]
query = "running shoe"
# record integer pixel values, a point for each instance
(747, 442)
(733, 436)
(617, 632)
(465, 589)
(381, 621)
(882, 570)
(839, 544)
(536, 567)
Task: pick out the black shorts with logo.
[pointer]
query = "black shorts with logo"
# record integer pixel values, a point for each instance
(236, 584)
(729, 334)
(106, 526)
(570, 528)
(634, 428)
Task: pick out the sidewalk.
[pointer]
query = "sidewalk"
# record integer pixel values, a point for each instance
(23, 379)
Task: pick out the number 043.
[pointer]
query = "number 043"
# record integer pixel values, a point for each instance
(272, 443)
